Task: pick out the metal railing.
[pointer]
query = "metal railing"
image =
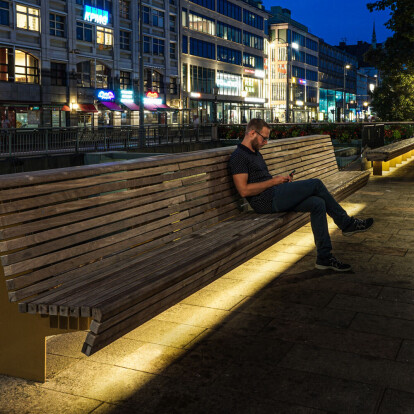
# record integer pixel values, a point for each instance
(25, 141)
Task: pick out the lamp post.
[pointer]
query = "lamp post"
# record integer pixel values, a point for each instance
(215, 92)
(347, 66)
(141, 77)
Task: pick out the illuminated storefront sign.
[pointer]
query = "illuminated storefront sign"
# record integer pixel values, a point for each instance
(255, 100)
(252, 86)
(256, 73)
(127, 96)
(94, 15)
(106, 95)
(229, 83)
(302, 81)
(195, 95)
(152, 98)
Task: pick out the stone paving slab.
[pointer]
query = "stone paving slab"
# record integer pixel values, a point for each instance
(272, 336)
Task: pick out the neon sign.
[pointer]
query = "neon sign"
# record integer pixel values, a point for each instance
(302, 81)
(106, 95)
(152, 98)
(94, 15)
(127, 96)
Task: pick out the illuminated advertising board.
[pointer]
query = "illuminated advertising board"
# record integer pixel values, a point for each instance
(152, 98)
(95, 15)
(127, 96)
(105, 95)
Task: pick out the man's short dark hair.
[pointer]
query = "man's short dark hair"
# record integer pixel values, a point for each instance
(256, 124)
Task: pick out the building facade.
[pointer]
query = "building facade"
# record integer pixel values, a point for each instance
(223, 61)
(293, 74)
(75, 62)
(337, 84)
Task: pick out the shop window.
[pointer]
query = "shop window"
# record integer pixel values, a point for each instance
(202, 79)
(173, 21)
(157, 18)
(83, 70)
(173, 50)
(125, 81)
(103, 77)
(56, 25)
(104, 36)
(4, 13)
(58, 74)
(27, 18)
(158, 47)
(125, 40)
(83, 32)
(26, 67)
(124, 8)
(4, 64)
(173, 86)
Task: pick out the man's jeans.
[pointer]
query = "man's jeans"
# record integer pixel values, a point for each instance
(312, 196)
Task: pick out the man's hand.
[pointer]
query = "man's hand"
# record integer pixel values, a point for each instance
(280, 179)
(246, 190)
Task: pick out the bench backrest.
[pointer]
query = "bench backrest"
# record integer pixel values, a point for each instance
(56, 225)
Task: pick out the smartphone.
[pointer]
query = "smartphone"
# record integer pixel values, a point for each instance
(293, 172)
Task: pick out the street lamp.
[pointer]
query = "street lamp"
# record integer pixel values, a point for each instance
(347, 66)
(215, 92)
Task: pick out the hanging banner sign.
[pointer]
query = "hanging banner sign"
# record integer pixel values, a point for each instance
(95, 15)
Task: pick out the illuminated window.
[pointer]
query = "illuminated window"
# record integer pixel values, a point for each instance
(4, 64)
(26, 67)
(27, 18)
(104, 36)
(125, 81)
(103, 77)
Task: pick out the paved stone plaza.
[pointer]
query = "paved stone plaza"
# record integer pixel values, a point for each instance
(272, 336)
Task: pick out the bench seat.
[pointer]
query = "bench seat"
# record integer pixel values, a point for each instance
(116, 244)
(390, 155)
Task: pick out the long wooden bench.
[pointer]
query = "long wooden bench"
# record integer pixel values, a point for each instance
(107, 247)
(390, 155)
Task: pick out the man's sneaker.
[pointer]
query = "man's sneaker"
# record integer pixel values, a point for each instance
(358, 225)
(333, 264)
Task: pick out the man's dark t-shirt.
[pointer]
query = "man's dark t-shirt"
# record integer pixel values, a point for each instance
(245, 161)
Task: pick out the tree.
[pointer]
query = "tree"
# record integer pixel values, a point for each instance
(393, 100)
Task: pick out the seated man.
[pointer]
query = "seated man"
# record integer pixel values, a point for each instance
(267, 194)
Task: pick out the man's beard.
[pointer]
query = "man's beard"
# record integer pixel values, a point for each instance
(255, 144)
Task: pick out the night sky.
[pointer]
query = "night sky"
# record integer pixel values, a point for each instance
(334, 20)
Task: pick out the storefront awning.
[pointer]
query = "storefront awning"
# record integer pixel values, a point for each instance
(164, 107)
(149, 107)
(65, 108)
(131, 105)
(87, 108)
(112, 106)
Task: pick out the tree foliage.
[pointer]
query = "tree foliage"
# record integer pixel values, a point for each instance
(393, 100)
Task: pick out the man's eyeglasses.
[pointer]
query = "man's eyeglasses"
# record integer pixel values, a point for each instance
(264, 138)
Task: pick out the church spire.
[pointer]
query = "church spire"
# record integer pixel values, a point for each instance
(374, 38)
